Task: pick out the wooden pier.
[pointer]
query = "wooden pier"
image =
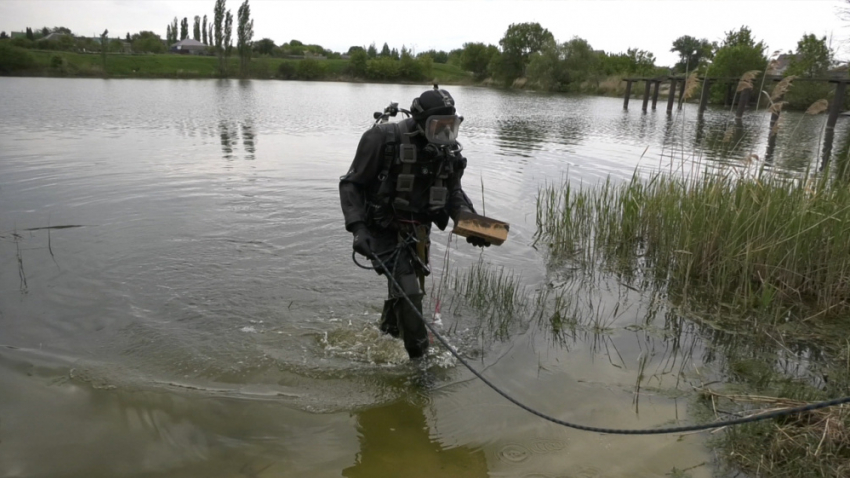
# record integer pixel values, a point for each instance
(652, 86)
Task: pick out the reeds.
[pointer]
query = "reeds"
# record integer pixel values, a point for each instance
(746, 81)
(754, 241)
(809, 444)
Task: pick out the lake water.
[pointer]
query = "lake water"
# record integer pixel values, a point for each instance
(177, 296)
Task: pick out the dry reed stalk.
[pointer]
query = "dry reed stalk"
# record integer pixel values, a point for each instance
(691, 85)
(776, 108)
(818, 107)
(782, 87)
(777, 125)
(746, 81)
(727, 137)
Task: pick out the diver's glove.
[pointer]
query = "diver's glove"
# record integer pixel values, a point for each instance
(477, 241)
(363, 240)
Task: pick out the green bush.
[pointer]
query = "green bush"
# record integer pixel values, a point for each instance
(309, 69)
(286, 71)
(14, 59)
(382, 68)
(56, 61)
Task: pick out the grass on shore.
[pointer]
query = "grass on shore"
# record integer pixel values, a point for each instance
(69, 64)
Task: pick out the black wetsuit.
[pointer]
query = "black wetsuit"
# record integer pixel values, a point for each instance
(401, 231)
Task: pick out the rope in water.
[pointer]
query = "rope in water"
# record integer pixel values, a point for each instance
(615, 431)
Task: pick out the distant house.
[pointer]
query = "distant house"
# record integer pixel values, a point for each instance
(55, 36)
(188, 47)
(778, 66)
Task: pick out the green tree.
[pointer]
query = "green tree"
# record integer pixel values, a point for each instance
(382, 68)
(265, 46)
(218, 23)
(692, 52)
(115, 46)
(475, 57)
(4, 36)
(204, 31)
(29, 34)
(196, 29)
(244, 35)
(147, 42)
(813, 57)
(14, 59)
(103, 47)
(372, 51)
(168, 35)
(436, 56)
(385, 50)
(309, 69)
(184, 29)
(581, 63)
(174, 30)
(738, 54)
(228, 37)
(408, 67)
(520, 41)
(545, 70)
(127, 38)
(641, 62)
(45, 31)
(358, 62)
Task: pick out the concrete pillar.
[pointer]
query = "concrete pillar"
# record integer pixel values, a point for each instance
(837, 104)
(656, 86)
(705, 92)
(742, 103)
(671, 95)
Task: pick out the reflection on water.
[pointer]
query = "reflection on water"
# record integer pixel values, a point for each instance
(395, 440)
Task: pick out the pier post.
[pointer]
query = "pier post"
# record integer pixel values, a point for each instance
(656, 84)
(742, 103)
(671, 95)
(834, 110)
(682, 92)
(837, 104)
(730, 95)
(628, 93)
(646, 88)
(706, 92)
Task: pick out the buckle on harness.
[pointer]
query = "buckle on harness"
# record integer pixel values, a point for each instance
(407, 153)
(437, 196)
(405, 182)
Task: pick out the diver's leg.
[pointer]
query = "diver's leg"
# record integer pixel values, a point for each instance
(410, 322)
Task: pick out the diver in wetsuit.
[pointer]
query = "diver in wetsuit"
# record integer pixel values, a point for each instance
(404, 177)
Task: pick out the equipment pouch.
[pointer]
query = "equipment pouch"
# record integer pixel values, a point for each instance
(405, 182)
(437, 197)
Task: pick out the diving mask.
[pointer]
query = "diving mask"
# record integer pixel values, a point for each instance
(442, 129)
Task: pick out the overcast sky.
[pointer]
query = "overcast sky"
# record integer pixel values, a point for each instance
(610, 25)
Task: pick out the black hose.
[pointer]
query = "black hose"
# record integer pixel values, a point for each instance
(615, 431)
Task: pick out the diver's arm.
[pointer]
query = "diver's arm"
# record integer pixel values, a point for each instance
(362, 177)
(457, 200)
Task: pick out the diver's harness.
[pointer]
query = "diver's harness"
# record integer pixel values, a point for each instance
(397, 196)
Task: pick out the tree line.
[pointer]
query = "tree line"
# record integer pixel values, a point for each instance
(527, 54)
